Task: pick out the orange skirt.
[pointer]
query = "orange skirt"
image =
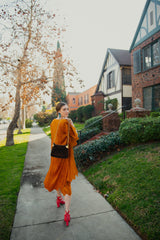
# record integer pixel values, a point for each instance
(60, 174)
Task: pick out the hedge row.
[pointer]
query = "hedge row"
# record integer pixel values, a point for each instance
(87, 134)
(44, 119)
(132, 131)
(82, 113)
(139, 130)
(28, 123)
(94, 150)
(94, 122)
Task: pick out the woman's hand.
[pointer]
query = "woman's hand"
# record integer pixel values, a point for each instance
(70, 121)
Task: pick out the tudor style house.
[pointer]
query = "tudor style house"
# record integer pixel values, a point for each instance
(115, 79)
(145, 57)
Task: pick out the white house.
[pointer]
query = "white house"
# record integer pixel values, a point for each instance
(115, 78)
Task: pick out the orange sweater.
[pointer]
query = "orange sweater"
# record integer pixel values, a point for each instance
(61, 170)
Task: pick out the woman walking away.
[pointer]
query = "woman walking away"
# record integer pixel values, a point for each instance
(62, 170)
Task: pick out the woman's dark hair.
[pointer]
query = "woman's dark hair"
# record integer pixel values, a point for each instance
(59, 105)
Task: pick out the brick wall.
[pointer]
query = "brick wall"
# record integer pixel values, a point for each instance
(83, 96)
(145, 78)
(98, 102)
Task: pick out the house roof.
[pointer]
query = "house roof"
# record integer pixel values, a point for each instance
(134, 44)
(139, 25)
(122, 57)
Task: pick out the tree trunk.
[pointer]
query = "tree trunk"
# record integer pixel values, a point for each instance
(13, 124)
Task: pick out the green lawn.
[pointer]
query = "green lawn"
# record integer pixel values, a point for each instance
(130, 180)
(78, 126)
(11, 167)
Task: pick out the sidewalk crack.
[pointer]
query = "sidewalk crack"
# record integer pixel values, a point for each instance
(60, 220)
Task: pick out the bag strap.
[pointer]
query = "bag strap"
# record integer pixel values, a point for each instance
(67, 135)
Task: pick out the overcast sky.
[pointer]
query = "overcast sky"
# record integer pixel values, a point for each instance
(94, 26)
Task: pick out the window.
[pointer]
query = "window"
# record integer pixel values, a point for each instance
(151, 55)
(81, 100)
(137, 61)
(147, 57)
(110, 80)
(151, 18)
(151, 97)
(156, 53)
(126, 76)
(87, 98)
(74, 100)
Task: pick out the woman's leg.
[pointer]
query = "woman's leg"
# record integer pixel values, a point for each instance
(58, 193)
(67, 199)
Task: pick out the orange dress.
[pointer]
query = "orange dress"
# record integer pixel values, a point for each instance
(62, 171)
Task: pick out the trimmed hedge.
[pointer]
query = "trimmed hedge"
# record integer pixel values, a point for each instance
(87, 111)
(87, 134)
(155, 114)
(94, 150)
(98, 124)
(80, 115)
(28, 123)
(139, 130)
(44, 119)
(73, 115)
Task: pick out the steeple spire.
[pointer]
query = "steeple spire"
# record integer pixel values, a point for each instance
(58, 45)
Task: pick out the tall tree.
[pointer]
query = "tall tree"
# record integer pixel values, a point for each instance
(26, 49)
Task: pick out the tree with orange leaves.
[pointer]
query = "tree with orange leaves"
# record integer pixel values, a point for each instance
(26, 50)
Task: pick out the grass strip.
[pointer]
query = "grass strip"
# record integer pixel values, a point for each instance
(11, 167)
(130, 180)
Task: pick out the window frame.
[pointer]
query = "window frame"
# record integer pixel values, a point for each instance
(151, 49)
(111, 81)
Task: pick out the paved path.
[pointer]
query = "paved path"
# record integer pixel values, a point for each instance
(3, 131)
(38, 218)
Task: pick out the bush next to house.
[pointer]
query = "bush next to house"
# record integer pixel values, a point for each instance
(44, 118)
(80, 115)
(140, 130)
(155, 114)
(87, 111)
(73, 115)
(92, 151)
(87, 134)
(28, 123)
(113, 101)
(94, 122)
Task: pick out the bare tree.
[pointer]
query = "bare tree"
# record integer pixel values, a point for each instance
(26, 49)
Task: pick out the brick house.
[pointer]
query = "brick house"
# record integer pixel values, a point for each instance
(115, 80)
(145, 57)
(76, 100)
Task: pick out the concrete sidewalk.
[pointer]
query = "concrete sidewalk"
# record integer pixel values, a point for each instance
(38, 218)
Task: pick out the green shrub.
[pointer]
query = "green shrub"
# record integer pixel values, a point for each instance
(87, 134)
(73, 115)
(92, 151)
(87, 111)
(155, 114)
(80, 115)
(28, 123)
(94, 122)
(137, 130)
(44, 119)
(113, 101)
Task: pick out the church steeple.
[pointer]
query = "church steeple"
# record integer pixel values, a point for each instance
(58, 45)
(58, 91)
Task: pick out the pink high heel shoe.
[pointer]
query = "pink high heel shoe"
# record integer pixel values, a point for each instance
(59, 201)
(67, 218)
